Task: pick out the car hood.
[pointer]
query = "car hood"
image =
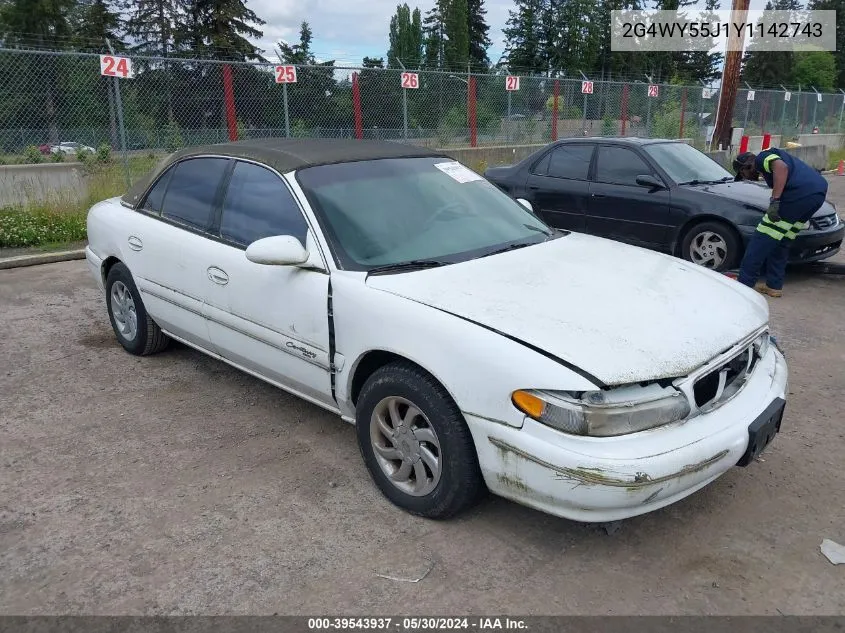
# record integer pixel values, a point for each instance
(621, 313)
(751, 194)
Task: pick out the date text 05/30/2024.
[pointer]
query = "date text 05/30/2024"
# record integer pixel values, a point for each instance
(480, 624)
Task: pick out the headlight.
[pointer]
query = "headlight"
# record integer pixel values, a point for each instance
(604, 413)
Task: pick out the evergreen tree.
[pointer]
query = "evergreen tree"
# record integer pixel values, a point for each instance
(298, 53)
(456, 47)
(406, 38)
(373, 62)
(478, 29)
(154, 25)
(94, 21)
(434, 33)
(770, 68)
(47, 23)
(839, 55)
(526, 47)
(223, 27)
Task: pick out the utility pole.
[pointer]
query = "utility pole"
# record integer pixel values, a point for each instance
(730, 73)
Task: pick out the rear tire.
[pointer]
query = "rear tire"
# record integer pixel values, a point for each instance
(134, 328)
(713, 245)
(416, 444)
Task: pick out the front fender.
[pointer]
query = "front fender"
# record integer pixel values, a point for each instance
(478, 367)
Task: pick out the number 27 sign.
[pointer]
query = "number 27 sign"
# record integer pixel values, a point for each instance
(112, 66)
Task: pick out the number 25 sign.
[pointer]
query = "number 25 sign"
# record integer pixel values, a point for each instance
(112, 66)
(410, 80)
(285, 74)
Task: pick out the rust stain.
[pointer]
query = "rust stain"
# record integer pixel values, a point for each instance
(596, 476)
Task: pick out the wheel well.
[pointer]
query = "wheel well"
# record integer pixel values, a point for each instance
(373, 361)
(108, 262)
(702, 219)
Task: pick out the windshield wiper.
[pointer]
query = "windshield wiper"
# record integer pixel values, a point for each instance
(414, 264)
(509, 247)
(706, 182)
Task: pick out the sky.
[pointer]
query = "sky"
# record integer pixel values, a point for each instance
(349, 30)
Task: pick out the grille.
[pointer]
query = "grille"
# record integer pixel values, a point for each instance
(824, 222)
(724, 381)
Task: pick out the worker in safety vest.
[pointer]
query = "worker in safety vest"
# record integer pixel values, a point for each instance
(798, 191)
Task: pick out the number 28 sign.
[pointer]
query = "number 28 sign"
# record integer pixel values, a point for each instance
(112, 66)
(410, 80)
(285, 74)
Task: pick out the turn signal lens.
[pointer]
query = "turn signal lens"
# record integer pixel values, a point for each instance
(528, 403)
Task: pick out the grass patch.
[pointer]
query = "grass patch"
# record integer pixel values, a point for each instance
(834, 157)
(62, 220)
(38, 227)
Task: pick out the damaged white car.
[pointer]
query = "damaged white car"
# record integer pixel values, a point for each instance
(473, 346)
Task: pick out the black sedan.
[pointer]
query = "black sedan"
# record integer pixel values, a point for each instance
(664, 195)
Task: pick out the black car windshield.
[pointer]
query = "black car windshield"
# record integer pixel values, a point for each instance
(382, 212)
(686, 164)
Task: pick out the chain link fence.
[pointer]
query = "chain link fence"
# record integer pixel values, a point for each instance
(50, 98)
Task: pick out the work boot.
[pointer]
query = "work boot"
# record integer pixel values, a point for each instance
(763, 288)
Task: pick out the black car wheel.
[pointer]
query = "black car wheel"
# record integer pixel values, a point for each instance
(416, 444)
(712, 245)
(134, 328)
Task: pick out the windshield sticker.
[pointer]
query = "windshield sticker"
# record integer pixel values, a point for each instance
(458, 172)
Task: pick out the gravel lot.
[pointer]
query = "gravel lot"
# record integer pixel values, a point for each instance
(174, 484)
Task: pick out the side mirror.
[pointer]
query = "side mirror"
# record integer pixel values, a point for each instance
(525, 204)
(279, 250)
(650, 181)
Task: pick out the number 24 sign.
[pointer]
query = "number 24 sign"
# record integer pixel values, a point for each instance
(111, 66)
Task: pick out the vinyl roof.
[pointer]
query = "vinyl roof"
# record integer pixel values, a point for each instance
(284, 154)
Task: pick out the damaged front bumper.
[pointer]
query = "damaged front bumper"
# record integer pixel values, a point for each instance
(597, 479)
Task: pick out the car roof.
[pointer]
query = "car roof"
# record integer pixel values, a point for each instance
(287, 154)
(618, 140)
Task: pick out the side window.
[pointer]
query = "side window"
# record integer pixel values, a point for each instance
(541, 168)
(257, 205)
(191, 191)
(571, 161)
(152, 203)
(620, 166)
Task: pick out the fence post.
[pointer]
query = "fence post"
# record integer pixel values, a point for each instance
(683, 108)
(557, 96)
(747, 105)
(119, 107)
(815, 108)
(356, 106)
(841, 108)
(765, 109)
(624, 108)
(473, 126)
(287, 112)
(229, 95)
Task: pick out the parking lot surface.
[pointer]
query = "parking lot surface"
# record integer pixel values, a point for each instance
(174, 484)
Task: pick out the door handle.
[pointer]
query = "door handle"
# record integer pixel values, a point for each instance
(218, 276)
(135, 243)
(598, 195)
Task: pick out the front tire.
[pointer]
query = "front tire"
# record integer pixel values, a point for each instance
(416, 444)
(713, 245)
(134, 328)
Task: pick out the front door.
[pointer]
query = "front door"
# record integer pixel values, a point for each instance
(271, 320)
(558, 187)
(621, 209)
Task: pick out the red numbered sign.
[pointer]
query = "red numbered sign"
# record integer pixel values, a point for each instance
(410, 80)
(285, 74)
(653, 90)
(112, 66)
(512, 82)
(587, 87)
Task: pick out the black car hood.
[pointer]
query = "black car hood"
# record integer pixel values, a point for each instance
(749, 193)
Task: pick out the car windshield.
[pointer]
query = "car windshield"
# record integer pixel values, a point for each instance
(685, 164)
(426, 210)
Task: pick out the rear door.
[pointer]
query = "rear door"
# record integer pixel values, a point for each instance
(559, 187)
(621, 209)
(167, 240)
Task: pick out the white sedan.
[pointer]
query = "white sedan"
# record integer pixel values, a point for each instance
(473, 346)
(71, 148)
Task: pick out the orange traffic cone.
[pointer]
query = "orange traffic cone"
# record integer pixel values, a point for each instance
(841, 170)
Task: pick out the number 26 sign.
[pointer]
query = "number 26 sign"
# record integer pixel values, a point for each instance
(410, 80)
(112, 66)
